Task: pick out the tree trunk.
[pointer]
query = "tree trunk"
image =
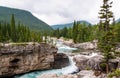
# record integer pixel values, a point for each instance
(107, 67)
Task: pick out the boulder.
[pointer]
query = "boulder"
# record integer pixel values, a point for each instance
(60, 60)
(114, 63)
(96, 62)
(68, 76)
(86, 45)
(119, 62)
(55, 76)
(89, 74)
(81, 62)
(48, 76)
(117, 49)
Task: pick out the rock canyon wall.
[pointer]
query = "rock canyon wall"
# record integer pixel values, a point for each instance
(17, 59)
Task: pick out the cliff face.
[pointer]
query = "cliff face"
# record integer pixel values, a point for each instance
(24, 58)
(60, 60)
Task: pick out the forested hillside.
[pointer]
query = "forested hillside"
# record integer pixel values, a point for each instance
(9, 32)
(83, 33)
(23, 17)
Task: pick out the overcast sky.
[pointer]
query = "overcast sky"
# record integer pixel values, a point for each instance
(62, 11)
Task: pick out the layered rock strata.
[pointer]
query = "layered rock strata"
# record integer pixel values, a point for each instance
(17, 59)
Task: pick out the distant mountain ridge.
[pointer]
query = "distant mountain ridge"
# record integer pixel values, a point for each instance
(24, 17)
(68, 25)
(118, 20)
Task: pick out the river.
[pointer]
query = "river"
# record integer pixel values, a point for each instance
(68, 69)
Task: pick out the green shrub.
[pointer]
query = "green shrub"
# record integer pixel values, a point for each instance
(116, 73)
(103, 66)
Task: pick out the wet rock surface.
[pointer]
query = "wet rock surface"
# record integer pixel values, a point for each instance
(17, 59)
(61, 60)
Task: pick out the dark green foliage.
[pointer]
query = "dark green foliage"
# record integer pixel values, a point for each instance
(117, 31)
(24, 17)
(105, 15)
(103, 66)
(114, 74)
(64, 32)
(20, 33)
(57, 33)
(75, 31)
(107, 42)
(84, 33)
(78, 32)
(13, 28)
(107, 45)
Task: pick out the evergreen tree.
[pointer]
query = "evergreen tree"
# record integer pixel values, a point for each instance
(64, 32)
(107, 46)
(58, 33)
(20, 33)
(105, 15)
(75, 31)
(13, 28)
(107, 42)
(117, 31)
(69, 33)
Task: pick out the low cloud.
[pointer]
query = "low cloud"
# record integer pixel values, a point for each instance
(62, 11)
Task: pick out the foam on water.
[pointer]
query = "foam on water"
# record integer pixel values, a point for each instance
(63, 48)
(71, 68)
(68, 69)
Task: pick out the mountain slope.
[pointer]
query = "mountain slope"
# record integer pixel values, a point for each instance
(61, 26)
(118, 20)
(24, 17)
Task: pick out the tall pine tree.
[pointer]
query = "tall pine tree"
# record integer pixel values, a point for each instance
(106, 43)
(13, 29)
(75, 31)
(106, 15)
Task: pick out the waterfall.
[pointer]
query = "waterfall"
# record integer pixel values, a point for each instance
(66, 70)
(71, 68)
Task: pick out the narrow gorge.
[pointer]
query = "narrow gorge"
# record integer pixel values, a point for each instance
(18, 59)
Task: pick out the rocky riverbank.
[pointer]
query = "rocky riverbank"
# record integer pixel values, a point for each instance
(17, 59)
(81, 74)
(88, 63)
(95, 62)
(89, 66)
(86, 45)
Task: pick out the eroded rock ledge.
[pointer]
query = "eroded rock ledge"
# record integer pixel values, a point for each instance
(95, 63)
(17, 59)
